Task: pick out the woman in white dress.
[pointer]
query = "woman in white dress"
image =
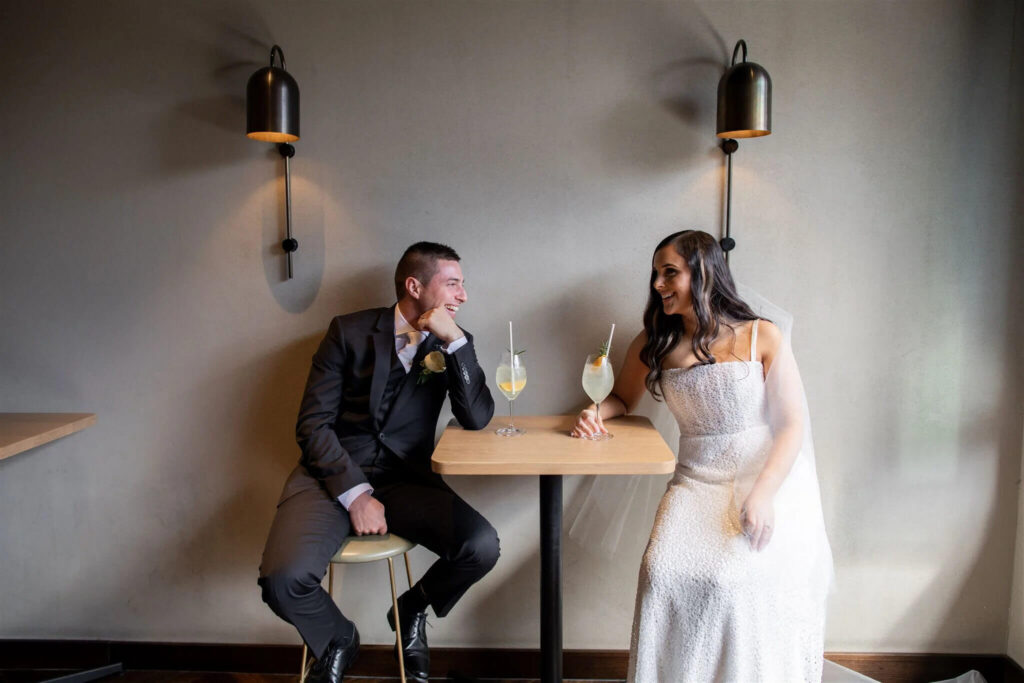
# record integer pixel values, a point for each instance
(734, 579)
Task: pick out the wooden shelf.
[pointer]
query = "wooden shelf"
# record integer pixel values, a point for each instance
(22, 431)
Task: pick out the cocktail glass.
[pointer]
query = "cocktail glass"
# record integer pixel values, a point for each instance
(511, 380)
(597, 382)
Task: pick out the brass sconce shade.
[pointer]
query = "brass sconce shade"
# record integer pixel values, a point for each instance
(744, 99)
(272, 103)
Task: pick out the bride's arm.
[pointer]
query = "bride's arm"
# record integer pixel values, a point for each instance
(785, 405)
(627, 392)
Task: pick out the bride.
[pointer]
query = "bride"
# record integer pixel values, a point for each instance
(733, 583)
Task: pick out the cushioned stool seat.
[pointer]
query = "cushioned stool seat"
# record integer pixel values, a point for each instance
(359, 549)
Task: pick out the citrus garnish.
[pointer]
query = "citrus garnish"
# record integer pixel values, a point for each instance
(510, 388)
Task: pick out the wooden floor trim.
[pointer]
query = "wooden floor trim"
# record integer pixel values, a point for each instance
(377, 660)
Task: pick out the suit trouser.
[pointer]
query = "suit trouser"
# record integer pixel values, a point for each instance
(310, 526)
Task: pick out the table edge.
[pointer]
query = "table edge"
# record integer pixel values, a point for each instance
(533, 469)
(85, 421)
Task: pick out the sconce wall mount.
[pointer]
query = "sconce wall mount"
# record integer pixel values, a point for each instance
(272, 115)
(744, 111)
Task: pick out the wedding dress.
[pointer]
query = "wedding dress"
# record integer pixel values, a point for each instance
(708, 606)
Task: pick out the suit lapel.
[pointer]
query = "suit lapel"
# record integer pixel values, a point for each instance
(408, 387)
(428, 345)
(383, 347)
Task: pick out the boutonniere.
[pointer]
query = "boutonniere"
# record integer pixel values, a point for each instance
(431, 364)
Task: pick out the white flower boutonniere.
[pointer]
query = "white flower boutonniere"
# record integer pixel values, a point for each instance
(432, 364)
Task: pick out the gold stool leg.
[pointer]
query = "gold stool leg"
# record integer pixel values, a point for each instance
(302, 670)
(408, 569)
(398, 625)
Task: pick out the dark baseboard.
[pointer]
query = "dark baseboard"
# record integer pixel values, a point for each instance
(377, 660)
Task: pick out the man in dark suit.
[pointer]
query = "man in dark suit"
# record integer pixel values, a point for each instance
(366, 428)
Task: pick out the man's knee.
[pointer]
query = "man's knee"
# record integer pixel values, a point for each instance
(482, 548)
(283, 586)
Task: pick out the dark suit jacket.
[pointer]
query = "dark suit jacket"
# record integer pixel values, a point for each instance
(341, 424)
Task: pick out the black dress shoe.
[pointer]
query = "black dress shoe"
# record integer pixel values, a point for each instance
(415, 652)
(336, 661)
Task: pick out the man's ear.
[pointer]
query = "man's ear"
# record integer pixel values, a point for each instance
(413, 287)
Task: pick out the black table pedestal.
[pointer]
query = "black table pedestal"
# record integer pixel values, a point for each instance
(551, 578)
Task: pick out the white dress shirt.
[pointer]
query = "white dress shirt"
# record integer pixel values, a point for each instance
(407, 341)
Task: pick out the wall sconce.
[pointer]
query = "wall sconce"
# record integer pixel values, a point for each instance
(272, 115)
(744, 111)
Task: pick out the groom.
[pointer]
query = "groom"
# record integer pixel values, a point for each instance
(366, 428)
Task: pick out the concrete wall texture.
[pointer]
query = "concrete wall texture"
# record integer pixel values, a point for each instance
(553, 143)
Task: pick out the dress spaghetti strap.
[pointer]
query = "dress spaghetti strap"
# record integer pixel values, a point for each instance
(753, 341)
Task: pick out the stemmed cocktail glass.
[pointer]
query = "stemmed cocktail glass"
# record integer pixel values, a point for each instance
(511, 379)
(597, 382)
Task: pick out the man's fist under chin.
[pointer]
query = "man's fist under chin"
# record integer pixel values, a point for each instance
(367, 516)
(439, 321)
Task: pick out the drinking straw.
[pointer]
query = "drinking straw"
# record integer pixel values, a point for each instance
(512, 358)
(610, 334)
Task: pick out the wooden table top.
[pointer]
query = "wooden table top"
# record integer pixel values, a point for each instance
(547, 448)
(22, 431)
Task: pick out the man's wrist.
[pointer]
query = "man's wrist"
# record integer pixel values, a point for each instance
(455, 344)
(353, 494)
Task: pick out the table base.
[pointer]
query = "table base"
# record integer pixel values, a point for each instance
(551, 578)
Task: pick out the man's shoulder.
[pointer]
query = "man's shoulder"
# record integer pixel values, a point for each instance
(360, 320)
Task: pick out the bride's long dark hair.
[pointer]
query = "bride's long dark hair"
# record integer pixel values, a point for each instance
(714, 297)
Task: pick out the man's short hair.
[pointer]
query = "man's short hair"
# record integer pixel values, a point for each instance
(420, 261)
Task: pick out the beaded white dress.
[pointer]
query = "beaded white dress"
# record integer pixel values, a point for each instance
(709, 607)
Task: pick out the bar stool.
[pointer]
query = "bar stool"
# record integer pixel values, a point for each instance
(361, 549)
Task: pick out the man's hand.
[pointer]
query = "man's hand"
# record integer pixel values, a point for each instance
(367, 515)
(438, 321)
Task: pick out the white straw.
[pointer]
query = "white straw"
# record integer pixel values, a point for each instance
(512, 358)
(610, 335)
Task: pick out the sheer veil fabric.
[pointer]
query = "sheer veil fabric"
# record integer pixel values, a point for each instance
(617, 513)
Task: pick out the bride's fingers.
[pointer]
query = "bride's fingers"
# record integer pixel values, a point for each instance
(751, 529)
(590, 426)
(763, 536)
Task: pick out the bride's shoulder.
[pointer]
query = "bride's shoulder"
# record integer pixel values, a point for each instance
(635, 351)
(768, 331)
(769, 341)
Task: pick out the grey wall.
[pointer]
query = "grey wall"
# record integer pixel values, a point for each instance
(1015, 639)
(553, 144)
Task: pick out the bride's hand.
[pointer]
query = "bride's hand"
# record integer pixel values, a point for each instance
(757, 517)
(588, 423)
